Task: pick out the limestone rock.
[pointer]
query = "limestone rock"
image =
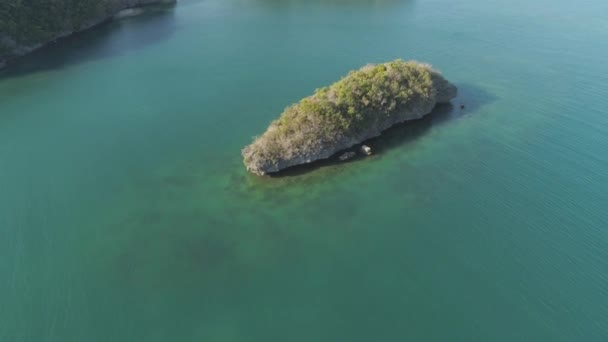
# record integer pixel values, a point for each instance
(347, 155)
(358, 107)
(366, 150)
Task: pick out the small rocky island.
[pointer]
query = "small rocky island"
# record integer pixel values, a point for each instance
(358, 107)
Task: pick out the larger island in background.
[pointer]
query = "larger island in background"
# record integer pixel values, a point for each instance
(27, 25)
(350, 111)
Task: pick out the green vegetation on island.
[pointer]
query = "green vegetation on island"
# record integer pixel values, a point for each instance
(358, 107)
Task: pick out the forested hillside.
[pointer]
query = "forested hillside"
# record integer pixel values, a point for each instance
(27, 23)
(32, 21)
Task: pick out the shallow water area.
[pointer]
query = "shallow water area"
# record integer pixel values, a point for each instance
(126, 213)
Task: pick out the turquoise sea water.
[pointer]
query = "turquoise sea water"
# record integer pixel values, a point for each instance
(126, 213)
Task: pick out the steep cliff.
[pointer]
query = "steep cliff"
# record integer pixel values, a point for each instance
(26, 25)
(352, 110)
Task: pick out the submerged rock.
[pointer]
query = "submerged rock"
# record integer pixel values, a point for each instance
(358, 107)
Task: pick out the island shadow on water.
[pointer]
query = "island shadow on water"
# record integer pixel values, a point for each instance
(109, 39)
(469, 100)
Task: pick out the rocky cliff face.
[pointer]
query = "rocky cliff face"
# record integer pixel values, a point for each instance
(23, 28)
(376, 98)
